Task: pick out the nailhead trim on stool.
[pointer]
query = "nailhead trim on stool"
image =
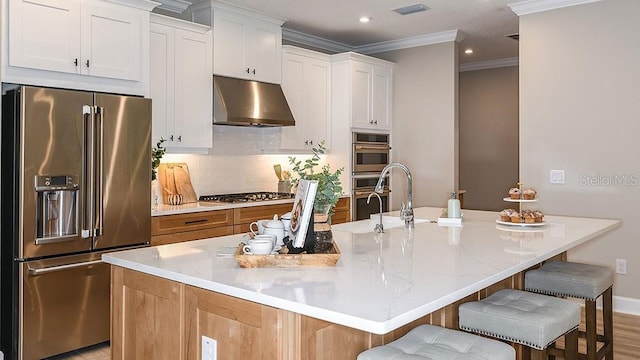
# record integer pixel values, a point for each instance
(583, 281)
(431, 342)
(525, 318)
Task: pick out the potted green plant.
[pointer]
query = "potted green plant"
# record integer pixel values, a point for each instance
(327, 195)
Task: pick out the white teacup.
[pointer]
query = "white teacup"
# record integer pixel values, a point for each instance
(270, 237)
(278, 233)
(258, 247)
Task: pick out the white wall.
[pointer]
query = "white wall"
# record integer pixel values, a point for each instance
(488, 136)
(425, 122)
(579, 111)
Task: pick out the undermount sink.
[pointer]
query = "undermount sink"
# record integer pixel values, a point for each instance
(367, 226)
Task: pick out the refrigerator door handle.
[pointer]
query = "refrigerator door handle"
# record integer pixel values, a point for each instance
(99, 171)
(88, 172)
(49, 269)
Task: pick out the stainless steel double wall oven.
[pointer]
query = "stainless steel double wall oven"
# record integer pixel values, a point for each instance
(371, 153)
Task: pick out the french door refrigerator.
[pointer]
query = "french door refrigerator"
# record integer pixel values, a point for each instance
(75, 182)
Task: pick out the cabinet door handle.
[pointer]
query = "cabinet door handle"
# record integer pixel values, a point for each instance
(254, 71)
(311, 142)
(75, 62)
(179, 138)
(376, 122)
(87, 63)
(191, 222)
(248, 71)
(306, 142)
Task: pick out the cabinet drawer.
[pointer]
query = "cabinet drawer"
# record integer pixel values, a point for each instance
(170, 224)
(254, 213)
(343, 204)
(191, 235)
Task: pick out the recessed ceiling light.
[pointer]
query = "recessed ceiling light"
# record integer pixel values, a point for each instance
(365, 19)
(468, 51)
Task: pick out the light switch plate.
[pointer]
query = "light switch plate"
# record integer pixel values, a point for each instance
(556, 177)
(209, 348)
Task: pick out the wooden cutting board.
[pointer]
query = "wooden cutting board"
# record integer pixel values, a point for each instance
(175, 179)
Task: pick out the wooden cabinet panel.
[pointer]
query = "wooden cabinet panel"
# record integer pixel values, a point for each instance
(242, 217)
(170, 224)
(250, 331)
(191, 235)
(145, 316)
(342, 211)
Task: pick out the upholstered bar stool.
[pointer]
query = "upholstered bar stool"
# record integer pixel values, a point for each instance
(534, 320)
(586, 282)
(437, 343)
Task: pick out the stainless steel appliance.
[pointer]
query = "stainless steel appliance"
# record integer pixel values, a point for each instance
(76, 170)
(363, 185)
(370, 152)
(246, 197)
(241, 102)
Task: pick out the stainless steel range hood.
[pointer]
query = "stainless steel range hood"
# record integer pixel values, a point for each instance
(249, 103)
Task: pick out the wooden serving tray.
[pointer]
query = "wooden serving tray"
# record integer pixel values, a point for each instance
(287, 260)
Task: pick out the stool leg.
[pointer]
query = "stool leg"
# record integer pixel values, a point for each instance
(571, 345)
(590, 320)
(607, 317)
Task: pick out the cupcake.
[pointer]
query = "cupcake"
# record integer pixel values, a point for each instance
(529, 218)
(538, 216)
(505, 215)
(529, 194)
(515, 217)
(514, 193)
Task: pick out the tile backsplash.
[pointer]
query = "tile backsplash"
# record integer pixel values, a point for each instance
(237, 162)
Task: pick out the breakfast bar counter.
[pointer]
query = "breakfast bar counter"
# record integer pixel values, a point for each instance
(382, 285)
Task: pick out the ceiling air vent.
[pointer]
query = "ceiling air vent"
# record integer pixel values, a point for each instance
(515, 36)
(411, 9)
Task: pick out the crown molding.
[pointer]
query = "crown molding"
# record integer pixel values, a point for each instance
(314, 41)
(535, 6)
(337, 47)
(489, 64)
(410, 42)
(175, 6)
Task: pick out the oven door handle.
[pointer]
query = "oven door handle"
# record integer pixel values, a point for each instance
(366, 193)
(45, 270)
(371, 147)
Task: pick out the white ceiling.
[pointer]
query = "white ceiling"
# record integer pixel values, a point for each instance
(482, 23)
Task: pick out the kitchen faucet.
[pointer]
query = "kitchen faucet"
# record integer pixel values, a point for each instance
(378, 228)
(406, 213)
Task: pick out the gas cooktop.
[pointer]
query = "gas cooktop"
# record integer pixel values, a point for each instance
(246, 197)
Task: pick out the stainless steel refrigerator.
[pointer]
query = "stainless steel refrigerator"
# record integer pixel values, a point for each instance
(75, 182)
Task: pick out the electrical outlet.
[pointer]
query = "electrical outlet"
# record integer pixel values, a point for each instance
(209, 348)
(621, 266)
(556, 177)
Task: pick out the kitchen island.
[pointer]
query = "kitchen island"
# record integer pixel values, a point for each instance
(165, 298)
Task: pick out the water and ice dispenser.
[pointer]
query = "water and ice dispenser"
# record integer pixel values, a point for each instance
(56, 209)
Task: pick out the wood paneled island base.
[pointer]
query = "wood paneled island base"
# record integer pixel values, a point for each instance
(156, 318)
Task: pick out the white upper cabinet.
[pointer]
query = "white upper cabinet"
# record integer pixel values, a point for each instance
(246, 45)
(306, 83)
(86, 44)
(111, 40)
(367, 83)
(181, 83)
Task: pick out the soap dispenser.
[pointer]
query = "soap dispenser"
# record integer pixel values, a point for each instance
(453, 207)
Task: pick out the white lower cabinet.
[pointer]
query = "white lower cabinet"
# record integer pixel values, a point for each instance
(181, 83)
(93, 45)
(306, 82)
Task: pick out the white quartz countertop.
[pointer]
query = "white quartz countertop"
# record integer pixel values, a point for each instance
(382, 281)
